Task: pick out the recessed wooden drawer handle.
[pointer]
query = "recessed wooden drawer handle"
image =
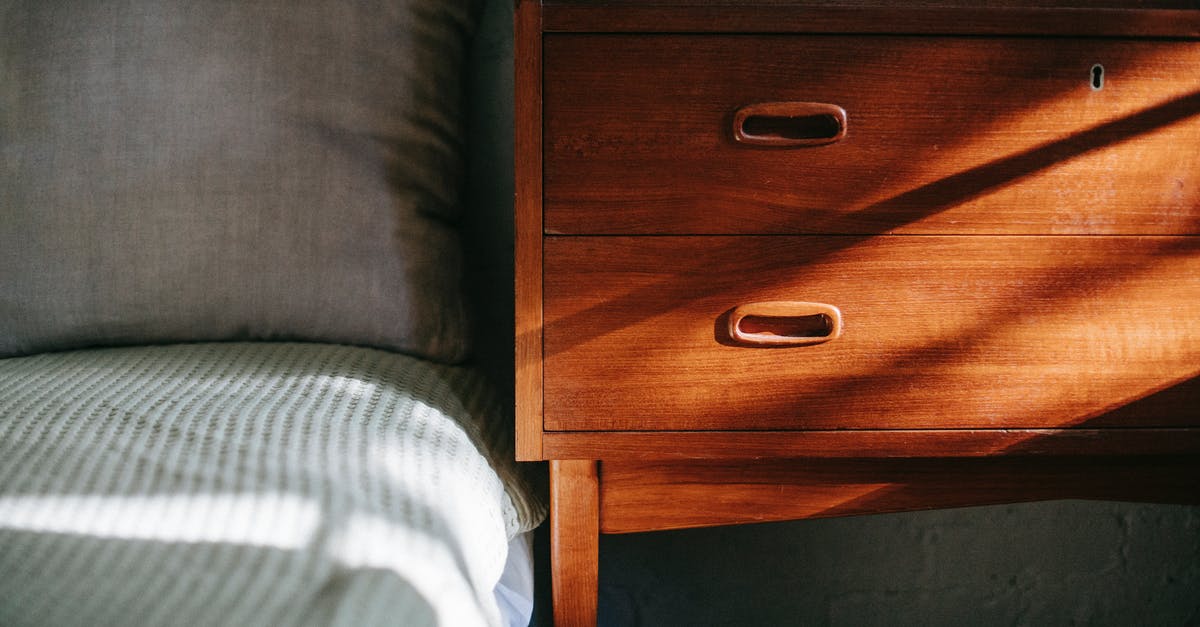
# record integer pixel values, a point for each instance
(784, 323)
(789, 124)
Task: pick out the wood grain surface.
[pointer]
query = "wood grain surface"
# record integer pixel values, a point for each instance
(876, 443)
(527, 250)
(938, 332)
(644, 496)
(1083, 18)
(574, 541)
(1009, 242)
(944, 135)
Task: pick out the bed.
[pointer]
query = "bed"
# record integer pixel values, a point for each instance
(254, 320)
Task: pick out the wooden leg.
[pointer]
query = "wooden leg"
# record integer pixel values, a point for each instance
(574, 541)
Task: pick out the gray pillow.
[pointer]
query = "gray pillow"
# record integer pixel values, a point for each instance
(219, 170)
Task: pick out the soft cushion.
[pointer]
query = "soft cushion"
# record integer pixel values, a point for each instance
(277, 169)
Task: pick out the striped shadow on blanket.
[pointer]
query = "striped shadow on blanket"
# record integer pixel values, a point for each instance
(252, 484)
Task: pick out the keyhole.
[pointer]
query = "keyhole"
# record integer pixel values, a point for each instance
(1097, 77)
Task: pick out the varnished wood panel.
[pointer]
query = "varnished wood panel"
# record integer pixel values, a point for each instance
(998, 352)
(768, 8)
(574, 541)
(846, 443)
(1176, 18)
(944, 135)
(937, 333)
(645, 496)
(527, 223)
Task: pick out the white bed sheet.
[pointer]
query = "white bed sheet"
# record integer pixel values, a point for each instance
(514, 591)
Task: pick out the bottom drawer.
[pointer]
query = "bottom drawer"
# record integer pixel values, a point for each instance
(935, 332)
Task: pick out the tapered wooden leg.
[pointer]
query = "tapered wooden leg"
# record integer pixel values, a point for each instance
(574, 541)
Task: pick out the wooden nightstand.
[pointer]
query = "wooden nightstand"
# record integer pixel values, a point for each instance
(780, 260)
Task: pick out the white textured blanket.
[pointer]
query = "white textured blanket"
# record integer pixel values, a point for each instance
(249, 484)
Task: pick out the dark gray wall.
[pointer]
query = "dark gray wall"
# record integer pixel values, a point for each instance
(1054, 563)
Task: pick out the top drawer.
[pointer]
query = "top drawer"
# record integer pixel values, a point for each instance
(942, 135)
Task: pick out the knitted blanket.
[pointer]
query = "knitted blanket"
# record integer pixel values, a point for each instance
(251, 484)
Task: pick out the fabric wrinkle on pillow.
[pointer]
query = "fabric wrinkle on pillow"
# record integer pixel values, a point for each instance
(269, 170)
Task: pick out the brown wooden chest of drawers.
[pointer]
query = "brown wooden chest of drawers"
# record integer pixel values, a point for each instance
(774, 255)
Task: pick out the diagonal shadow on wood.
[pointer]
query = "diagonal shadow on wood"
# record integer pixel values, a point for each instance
(903, 209)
